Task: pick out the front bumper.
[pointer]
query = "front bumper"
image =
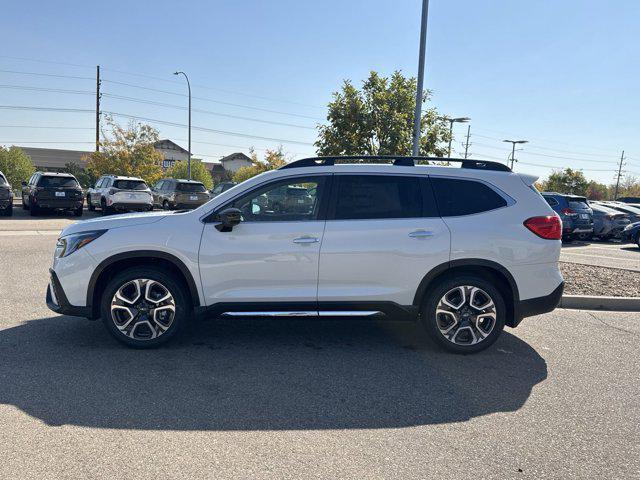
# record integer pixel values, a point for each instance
(537, 306)
(57, 299)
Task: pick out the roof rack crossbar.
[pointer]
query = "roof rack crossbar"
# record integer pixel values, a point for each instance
(398, 160)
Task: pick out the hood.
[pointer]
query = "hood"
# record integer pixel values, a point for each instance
(116, 221)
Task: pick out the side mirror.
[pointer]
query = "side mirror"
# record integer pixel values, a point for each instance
(23, 183)
(228, 218)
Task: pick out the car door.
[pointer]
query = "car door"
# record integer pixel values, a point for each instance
(270, 258)
(156, 192)
(382, 236)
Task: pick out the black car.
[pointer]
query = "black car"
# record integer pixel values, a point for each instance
(632, 233)
(575, 213)
(6, 197)
(629, 199)
(52, 191)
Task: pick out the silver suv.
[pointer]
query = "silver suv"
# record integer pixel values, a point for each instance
(113, 193)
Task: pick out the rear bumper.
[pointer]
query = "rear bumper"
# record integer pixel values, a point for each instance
(62, 203)
(131, 207)
(537, 305)
(186, 205)
(57, 299)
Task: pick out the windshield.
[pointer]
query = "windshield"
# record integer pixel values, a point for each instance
(58, 182)
(130, 185)
(191, 187)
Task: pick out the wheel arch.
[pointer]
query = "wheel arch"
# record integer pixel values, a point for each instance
(486, 268)
(108, 267)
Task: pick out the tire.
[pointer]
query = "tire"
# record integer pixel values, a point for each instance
(24, 204)
(78, 211)
(584, 237)
(567, 239)
(104, 209)
(466, 337)
(33, 210)
(143, 331)
(8, 212)
(165, 205)
(90, 206)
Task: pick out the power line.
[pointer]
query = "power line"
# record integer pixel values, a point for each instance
(47, 142)
(209, 112)
(24, 59)
(46, 109)
(167, 92)
(46, 127)
(75, 77)
(211, 130)
(47, 89)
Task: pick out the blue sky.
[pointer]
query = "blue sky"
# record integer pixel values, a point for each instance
(562, 75)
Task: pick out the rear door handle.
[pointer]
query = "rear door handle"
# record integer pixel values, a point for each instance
(421, 234)
(304, 240)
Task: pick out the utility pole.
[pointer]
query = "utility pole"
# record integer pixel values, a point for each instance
(417, 116)
(466, 145)
(98, 108)
(513, 150)
(189, 158)
(615, 196)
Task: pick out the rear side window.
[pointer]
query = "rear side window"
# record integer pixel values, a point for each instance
(58, 182)
(551, 201)
(377, 196)
(457, 197)
(130, 185)
(578, 204)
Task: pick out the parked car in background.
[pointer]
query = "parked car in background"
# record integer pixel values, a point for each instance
(171, 193)
(52, 191)
(6, 197)
(630, 210)
(289, 198)
(115, 193)
(221, 188)
(463, 251)
(607, 222)
(635, 200)
(575, 213)
(631, 233)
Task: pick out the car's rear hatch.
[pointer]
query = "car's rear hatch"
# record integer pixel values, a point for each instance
(58, 190)
(580, 212)
(131, 191)
(191, 194)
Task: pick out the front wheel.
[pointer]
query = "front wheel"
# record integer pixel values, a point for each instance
(464, 314)
(144, 307)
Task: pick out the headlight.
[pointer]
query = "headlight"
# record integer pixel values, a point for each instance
(70, 243)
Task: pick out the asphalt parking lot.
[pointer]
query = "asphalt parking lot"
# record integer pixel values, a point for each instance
(603, 254)
(556, 398)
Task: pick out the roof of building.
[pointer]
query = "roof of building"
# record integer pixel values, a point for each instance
(166, 144)
(235, 156)
(47, 158)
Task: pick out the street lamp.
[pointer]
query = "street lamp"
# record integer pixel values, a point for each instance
(189, 87)
(513, 150)
(451, 122)
(417, 114)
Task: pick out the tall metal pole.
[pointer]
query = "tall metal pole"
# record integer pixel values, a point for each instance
(615, 196)
(97, 108)
(451, 122)
(417, 116)
(466, 145)
(513, 154)
(189, 147)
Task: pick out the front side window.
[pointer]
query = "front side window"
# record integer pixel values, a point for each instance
(458, 197)
(377, 196)
(130, 185)
(58, 182)
(291, 200)
(158, 186)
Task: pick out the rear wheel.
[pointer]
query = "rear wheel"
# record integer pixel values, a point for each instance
(165, 205)
(103, 207)
(33, 209)
(78, 211)
(464, 314)
(90, 205)
(25, 205)
(144, 307)
(8, 212)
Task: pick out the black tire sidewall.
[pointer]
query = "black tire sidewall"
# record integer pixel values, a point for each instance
(183, 307)
(428, 318)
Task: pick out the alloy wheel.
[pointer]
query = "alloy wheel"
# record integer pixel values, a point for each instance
(143, 309)
(466, 315)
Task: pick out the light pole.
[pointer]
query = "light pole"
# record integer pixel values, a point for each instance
(417, 115)
(513, 150)
(189, 87)
(451, 122)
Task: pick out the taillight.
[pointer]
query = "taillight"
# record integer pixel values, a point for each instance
(568, 211)
(549, 227)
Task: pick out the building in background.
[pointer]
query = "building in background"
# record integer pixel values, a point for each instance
(172, 152)
(234, 162)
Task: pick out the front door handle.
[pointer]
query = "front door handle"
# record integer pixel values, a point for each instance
(421, 234)
(304, 240)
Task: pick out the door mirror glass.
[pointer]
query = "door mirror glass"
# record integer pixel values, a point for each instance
(228, 218)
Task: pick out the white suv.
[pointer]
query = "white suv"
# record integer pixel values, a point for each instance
(113, 193)
(465, 251)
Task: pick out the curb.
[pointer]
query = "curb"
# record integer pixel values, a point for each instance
(612, 304)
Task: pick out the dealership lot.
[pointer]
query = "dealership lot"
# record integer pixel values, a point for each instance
(556, 398)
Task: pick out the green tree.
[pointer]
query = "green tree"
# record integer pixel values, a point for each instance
(198, 172)
(566, 181)
(128, 151)
(272, 159)
(597, 191)
(378, 120)
(16, 165)
(84, 177)
(629, 187)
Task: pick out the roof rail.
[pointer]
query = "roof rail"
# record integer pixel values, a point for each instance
(397, 160)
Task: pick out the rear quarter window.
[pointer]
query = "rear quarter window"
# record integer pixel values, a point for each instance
(457, 197)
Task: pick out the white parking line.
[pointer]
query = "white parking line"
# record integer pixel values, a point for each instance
(593, 256)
